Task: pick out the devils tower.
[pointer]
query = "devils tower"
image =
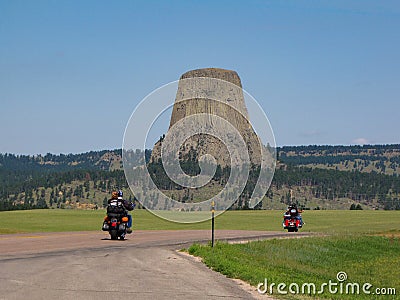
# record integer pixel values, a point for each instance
(215, 92)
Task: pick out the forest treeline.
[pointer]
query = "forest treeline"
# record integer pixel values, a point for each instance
(367, 158)
(28, 182)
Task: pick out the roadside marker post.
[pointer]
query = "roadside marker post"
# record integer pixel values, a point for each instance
(212, 222)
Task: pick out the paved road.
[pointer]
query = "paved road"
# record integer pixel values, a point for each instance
(88, 265)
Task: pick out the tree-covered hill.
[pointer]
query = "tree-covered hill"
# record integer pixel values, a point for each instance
(317, 177)
(38, 181)
(93, 160)
(367, 158)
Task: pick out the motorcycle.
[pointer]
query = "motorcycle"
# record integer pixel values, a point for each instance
(116, 224)
(291, 222)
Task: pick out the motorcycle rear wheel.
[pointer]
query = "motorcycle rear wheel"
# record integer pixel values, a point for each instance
(114, 234)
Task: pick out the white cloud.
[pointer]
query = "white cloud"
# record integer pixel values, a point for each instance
(361, 141)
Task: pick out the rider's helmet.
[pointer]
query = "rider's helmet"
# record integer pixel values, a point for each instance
(120, 194)
(114, 195)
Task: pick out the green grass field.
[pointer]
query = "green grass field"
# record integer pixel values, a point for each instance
(365, 259)
(332, 222)
(364, 244)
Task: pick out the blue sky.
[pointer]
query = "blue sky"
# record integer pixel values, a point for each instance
(72, 72)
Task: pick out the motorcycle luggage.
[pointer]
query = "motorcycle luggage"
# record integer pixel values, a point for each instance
(115, 215)
(105, 226)
(115, 210)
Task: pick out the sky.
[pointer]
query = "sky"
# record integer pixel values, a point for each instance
(72, 72)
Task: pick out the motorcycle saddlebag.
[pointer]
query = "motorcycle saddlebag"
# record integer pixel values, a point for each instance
(105, 226)
(115, 210)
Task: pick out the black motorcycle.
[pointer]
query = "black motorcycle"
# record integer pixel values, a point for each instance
(116, 222)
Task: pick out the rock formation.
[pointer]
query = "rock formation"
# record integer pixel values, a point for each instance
(215, 92)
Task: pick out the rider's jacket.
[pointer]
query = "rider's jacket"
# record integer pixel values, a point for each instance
(121, 203)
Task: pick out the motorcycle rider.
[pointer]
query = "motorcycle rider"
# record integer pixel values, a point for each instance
(117, 200)
(295, 212)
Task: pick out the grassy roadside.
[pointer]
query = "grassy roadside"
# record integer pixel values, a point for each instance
(353, 244)
(365, 259)
(333, 222)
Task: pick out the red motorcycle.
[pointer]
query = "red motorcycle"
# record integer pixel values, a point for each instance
(292, 224)
(291, 221)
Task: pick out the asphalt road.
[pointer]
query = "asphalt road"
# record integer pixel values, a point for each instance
(88, 265)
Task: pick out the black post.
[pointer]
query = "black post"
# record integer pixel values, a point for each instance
(212, 222)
